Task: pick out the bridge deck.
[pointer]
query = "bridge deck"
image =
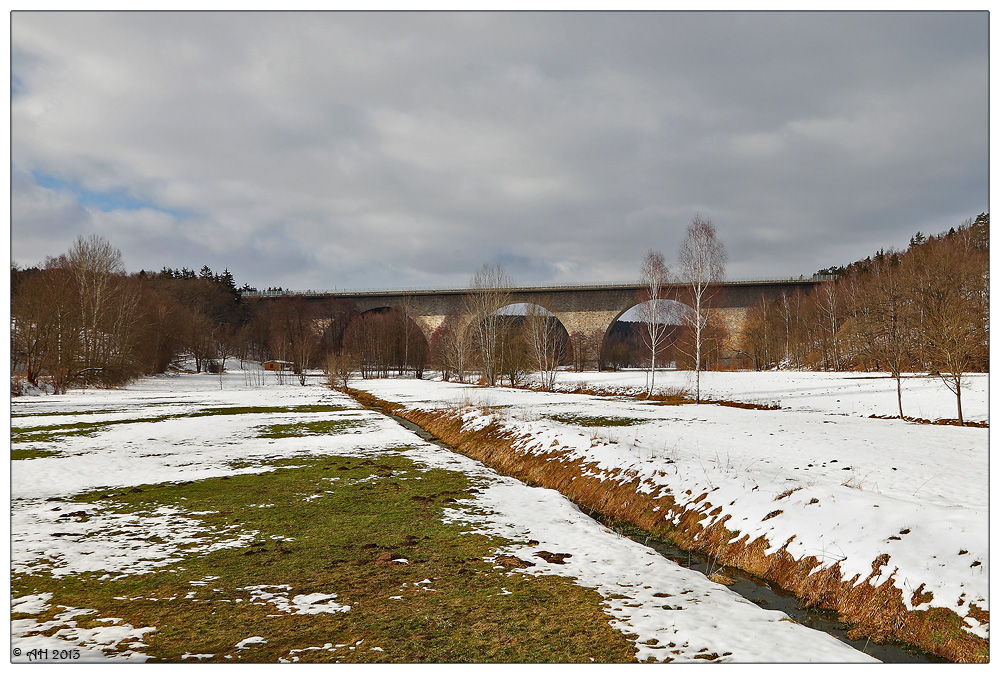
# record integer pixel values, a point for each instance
(445, 290)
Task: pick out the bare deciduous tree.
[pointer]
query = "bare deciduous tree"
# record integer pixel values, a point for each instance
(514, 350)
(654, 276)
(405, 308)
(702, 260)
(108, 310)
(340, 369)
(78, 321)
(786, 314)
(295, 336)
(829, 304)
(490, 292)
(370, 339)
(543, 336)
(334, 315)
(953, 300)
(756, 336)
(105, 315)
(451, 347)
(883, 319)
(381, 340)
(35, 322)
(586, 349)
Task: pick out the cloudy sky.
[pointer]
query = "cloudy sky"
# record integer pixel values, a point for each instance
(359, 150)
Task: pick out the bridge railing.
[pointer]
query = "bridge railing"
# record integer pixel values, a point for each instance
(528, 287)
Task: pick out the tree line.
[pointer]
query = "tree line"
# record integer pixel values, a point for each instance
(923, 309)
(81, 320)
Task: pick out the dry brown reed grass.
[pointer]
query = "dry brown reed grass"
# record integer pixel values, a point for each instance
(671, 397)
(743, 405)
(786, 493)
(667, 397)
(935, 422)
(721, 578)
(876, 611)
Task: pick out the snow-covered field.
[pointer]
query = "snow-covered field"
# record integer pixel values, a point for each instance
(863, 487)
(852, 393)
(873, 478)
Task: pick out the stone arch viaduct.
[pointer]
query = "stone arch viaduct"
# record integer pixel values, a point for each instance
(578, 307)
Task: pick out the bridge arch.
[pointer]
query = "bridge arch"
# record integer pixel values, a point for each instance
(558, 330)
(625, 342)
(386, 338)
(720, 330)
(579, 308)
(524, 309)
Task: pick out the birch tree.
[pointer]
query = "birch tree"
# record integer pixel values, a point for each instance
(406, 310)
(702, 259)
(829, 306)
(489, 294)
(106, 313)
(653, 276)
(542, 333)
(78, 319)
(451, 347)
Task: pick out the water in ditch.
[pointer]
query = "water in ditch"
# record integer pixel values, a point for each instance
(764, 593)
(771, 596)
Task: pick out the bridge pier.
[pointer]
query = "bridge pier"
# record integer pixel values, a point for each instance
(428, 324)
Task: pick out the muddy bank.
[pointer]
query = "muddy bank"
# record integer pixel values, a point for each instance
(878, 612)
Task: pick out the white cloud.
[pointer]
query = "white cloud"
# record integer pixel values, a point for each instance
(333, 149)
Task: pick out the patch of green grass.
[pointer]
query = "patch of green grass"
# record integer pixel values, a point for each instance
(20, 415)
(300, 428)
(331, 525)
(947, 626)
(57, 432)
(583, 420)
(60, 431)
(21, 454)
(226, 411)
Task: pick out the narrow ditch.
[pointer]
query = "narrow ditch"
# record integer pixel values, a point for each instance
(770, 596)
(765, 594)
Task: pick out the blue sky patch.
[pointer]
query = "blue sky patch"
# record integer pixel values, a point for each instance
(117, 200)
(17, 86)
